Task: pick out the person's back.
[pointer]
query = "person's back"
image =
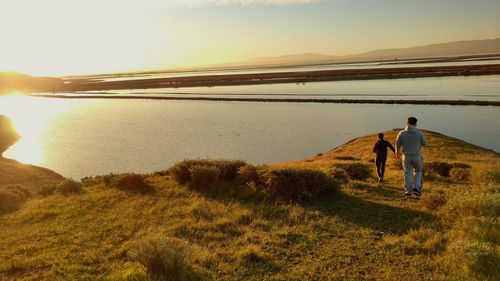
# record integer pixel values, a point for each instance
(409, 141)
(380, 150)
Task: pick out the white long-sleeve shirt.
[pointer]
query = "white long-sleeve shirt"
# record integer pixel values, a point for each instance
(410, 140)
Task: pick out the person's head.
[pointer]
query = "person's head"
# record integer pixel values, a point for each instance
(412, 121)
(380, 136)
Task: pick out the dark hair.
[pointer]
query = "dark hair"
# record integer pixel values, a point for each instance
(412, 121)
(381, 136)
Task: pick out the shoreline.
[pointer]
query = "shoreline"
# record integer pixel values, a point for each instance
(287, 100)
(92, 84)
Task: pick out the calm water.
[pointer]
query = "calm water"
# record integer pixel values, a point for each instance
(88, 137)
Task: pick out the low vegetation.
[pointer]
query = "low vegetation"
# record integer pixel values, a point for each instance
(12, 197)
(324, 218)
(356, 170)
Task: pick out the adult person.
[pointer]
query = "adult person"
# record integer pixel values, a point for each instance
(380, 150)
(408, 142)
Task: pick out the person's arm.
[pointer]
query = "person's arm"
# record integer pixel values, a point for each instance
(391, 147)
(375, 147)
(424, 140)
(399, 142)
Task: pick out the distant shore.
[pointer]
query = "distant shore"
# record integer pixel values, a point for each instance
(287, 100)
(96, 84)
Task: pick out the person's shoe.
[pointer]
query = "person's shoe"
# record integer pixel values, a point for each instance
(407, 194)
(417, 193)
(380, 180)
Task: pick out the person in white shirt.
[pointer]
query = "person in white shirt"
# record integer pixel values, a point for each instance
(408, 142)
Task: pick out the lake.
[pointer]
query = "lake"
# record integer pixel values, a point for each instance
(89, 137)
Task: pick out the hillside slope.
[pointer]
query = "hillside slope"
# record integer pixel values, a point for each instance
(32, 177)
(366, 231)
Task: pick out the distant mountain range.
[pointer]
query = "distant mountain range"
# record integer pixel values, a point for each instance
(450, 49)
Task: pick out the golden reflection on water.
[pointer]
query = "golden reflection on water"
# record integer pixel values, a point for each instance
(30, 117)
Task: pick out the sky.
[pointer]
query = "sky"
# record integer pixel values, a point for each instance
(70, 37)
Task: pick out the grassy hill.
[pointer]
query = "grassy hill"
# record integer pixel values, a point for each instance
(151, 227)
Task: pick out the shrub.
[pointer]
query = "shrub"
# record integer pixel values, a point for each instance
(163, 258)
(180, 170)
(251, 174)
(461, 165)
(90, 181)
(438, 168)
(492, 177)
(339, 175)
(227, 169)
(347, 158)
(12, 197)
(131, 182)
(460, 174)
(291, 184)
(69, 186)
(356, 171)
(47, 189)
(108, 179)
(203, 175)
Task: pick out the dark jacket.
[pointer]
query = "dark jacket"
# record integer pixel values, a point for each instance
(380, 148)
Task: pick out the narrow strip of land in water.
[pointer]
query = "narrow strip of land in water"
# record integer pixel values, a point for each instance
(92, 84)
(288, 100)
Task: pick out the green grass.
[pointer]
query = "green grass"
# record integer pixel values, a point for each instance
(233, 231)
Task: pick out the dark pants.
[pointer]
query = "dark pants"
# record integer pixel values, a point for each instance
(380, 163)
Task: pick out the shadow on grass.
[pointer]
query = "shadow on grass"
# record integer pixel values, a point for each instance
(351, 209)
(376, 216)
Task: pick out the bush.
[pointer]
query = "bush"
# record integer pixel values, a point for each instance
(69, 186)
(339, 175)
(47, 189)
(461, 165)
(131, 182)
(180, 170)
(251, 174)
(228, 169)
(291, 184)
(356, 171)
(460, 174)
(438, 168)
(203, 175)
(12, 197)
(90, 181)
(163, 258)
(347, 158)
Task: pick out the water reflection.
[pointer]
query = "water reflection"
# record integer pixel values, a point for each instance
(31, 118)
(89, 137)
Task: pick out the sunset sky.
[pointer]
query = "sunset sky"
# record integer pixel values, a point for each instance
(63, 37)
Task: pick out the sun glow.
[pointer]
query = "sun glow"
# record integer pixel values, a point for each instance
(30, 117)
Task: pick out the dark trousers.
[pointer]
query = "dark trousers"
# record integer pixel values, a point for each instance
(380, 163)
